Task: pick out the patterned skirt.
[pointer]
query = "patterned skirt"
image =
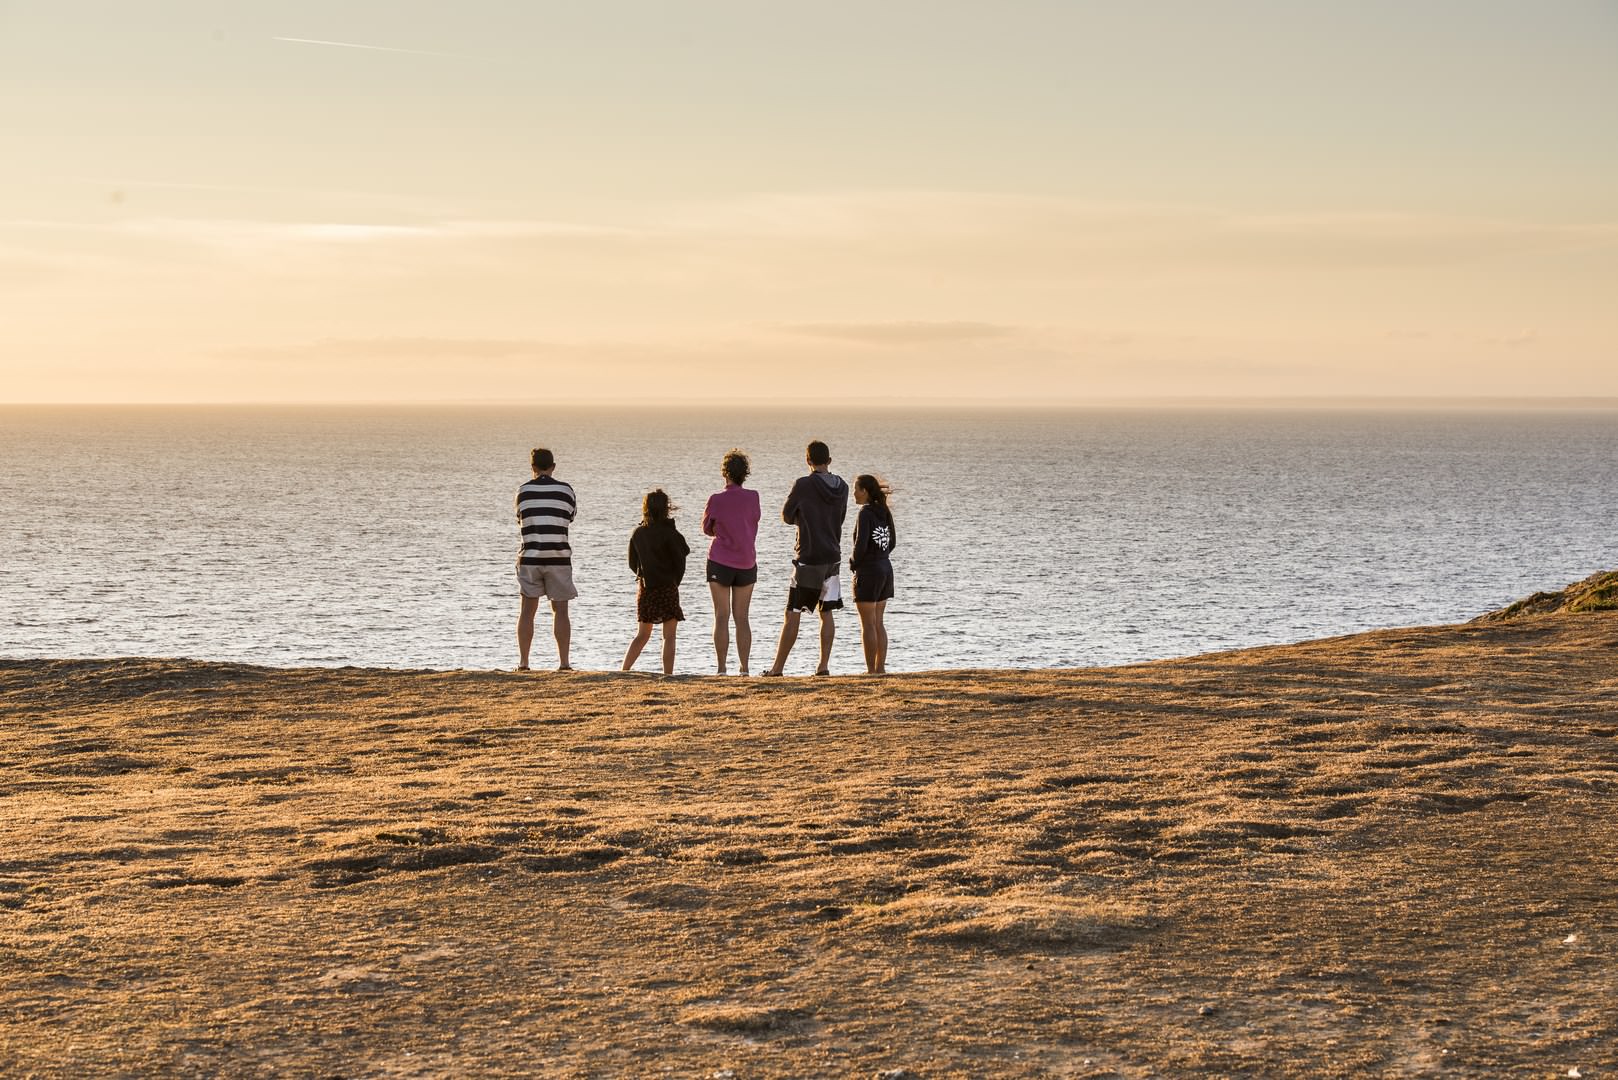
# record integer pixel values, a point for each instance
(658, 603)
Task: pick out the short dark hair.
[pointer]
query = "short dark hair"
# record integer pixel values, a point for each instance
(736, 466)
(818, 453)
(541, 459)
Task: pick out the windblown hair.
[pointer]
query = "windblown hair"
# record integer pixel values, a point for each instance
(656, 507)
(736, 467)
(877, 492)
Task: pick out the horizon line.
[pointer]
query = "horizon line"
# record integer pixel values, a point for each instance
(1345, 401)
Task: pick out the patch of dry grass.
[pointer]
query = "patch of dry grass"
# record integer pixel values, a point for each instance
(1376, 855)
(741, 1019)
(1011, 921)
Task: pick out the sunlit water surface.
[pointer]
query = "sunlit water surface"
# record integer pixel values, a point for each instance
(385, 536)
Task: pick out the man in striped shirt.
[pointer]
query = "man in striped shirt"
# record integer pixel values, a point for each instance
(545, 508)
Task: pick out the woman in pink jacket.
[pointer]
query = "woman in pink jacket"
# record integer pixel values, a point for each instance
(731, 518)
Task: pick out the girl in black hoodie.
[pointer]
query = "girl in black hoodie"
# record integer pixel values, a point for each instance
(874, 538)
(657, 554)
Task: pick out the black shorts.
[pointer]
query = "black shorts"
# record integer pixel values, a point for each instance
(799, 599)
(729, 576)
(873, 583)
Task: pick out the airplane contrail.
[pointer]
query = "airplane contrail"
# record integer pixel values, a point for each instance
(357, 45)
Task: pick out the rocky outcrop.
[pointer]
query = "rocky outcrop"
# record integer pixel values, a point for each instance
(1598, 592)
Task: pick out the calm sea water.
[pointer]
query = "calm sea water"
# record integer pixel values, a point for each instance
(385, 536)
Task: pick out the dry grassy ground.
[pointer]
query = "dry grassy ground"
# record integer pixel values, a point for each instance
(1394, 853)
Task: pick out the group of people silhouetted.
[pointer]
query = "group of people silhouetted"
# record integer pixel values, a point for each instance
(817, 506)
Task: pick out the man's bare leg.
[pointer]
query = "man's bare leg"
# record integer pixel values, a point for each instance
(564, 633)
(721, 624)
(525, 629)
(828, 631)
(789, 635)
(741, 599)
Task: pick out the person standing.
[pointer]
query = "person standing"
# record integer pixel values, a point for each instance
(731, 518)
(874, 538)
(817, 505)
(657, 554)
(545, 508)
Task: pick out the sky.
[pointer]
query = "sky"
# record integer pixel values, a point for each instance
(878, 201)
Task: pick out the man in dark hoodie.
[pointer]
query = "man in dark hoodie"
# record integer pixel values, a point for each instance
(817, 506)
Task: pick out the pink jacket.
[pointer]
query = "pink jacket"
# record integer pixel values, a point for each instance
(731, 518)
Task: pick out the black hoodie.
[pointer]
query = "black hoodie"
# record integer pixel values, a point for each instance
(657, 553)
(817, 506)
(874, 537)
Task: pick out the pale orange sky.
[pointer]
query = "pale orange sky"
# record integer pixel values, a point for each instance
(1022, 201)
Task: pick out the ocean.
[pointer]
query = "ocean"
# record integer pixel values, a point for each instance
(385, 536)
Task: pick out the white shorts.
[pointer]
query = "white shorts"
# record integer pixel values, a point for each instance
(555, 582)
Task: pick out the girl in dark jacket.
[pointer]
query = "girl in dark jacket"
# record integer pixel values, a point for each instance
(874, 537)
(657, 554)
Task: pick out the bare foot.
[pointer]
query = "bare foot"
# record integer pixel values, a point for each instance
(823, 671)
(771, 673)
(565, 667)
(522, 667)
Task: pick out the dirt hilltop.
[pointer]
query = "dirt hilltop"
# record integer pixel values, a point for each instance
(1391, 854)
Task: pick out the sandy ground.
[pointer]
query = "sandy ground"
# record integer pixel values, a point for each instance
(1390, 854)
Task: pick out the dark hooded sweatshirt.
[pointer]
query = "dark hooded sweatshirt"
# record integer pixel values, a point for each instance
(817, 506)
(657, 553)
(874, 537)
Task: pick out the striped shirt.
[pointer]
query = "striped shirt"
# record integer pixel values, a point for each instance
(545, 507)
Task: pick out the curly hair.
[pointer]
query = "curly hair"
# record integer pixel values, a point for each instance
(736, 467)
